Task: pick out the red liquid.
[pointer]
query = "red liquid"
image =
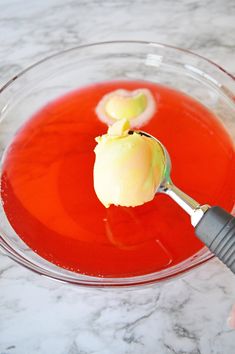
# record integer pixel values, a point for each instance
(48, 195)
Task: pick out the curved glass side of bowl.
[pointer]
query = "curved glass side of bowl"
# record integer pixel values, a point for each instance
(56, 75)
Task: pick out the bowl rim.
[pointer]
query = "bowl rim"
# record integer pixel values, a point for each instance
(116, 283)
(93, 44)
(99, 281)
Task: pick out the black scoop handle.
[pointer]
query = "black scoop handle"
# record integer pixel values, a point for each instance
(217, 230)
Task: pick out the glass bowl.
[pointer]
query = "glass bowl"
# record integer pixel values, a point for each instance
(58, 74)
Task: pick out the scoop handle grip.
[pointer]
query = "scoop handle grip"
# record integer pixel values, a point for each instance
(217, 230)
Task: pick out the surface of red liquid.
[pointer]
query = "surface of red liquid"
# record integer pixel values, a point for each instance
(49, 199)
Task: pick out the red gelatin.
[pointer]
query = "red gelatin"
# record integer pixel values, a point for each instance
(49, 199)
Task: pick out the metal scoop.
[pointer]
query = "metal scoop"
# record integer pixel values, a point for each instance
(213, 225)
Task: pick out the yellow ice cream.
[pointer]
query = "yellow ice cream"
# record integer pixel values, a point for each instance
(128, 168)
(137, 106)
(119, 106)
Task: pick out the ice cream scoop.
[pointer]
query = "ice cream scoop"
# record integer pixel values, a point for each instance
(128, 167)
(213, 225)
(132, 166)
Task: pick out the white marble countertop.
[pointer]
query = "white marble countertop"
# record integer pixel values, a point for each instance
(187, 315)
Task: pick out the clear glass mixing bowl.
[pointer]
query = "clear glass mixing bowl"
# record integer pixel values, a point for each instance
(58, 74)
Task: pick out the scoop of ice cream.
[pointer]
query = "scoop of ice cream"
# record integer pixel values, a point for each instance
(128, 168)
(136, 106)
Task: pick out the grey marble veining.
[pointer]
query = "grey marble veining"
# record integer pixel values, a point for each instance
(187, 315)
